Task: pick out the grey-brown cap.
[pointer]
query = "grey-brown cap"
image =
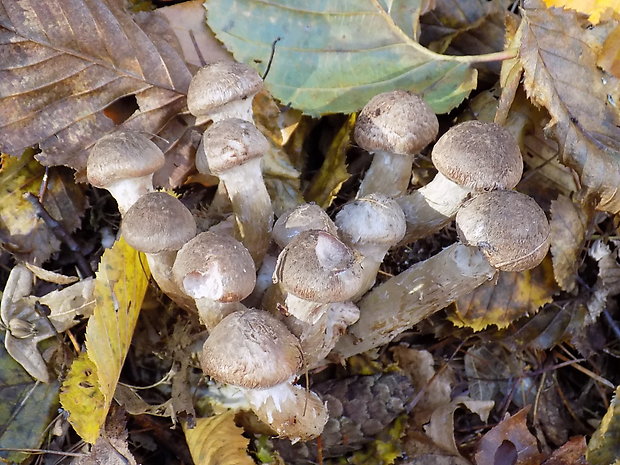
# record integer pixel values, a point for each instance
(478, 155)
(218, 83)
(398, 122)
(158, 222)
(316, 266)
(508, 227)
(232, 142)
(122, 155)
(302, 218)
(252, 349)
(215, 267)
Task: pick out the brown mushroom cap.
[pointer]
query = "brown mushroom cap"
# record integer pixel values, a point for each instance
(478, 155)
(508, 227)
(215, 267)
(302, 218)
(219, 83)
(375, 219)
(398, 122)
(252, 349)
(158, 222)
(316, 266)
(122, 155)
(232, 142)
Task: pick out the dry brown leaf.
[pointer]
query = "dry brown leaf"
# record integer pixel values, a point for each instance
(609, 56)
(608, 282)
(65, 62)
(514, 295)
(568, 234)
(571, 453)
(510, 438)
(561, 75)
(50, 276)
(421, 450)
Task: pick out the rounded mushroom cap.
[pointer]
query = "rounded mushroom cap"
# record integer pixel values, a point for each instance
(215, 267)
(508, 227)
(316, 266)
(302, 218)
(398, 122)
(251, 348)
(122, 155)
(478, 155)
(218, 83)
(375, 219)
(158, 222)
(232, 142)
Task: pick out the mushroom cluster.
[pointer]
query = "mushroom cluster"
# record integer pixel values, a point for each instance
(319, 302)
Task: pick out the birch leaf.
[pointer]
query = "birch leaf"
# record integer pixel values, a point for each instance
(561, 75)
(120, 286)
(332, 57)
(64, 62)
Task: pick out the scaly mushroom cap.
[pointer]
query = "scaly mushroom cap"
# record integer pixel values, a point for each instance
(398, 122)
(480, 156)
(317, 267)
(232, 142)
(215, 267)
(374, 219)
(508, 227)
(303, 218)
(158, 222)
(219, 83)
(252, 349)
(122, 155)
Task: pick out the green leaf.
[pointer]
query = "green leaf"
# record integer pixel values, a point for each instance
(333, 56)
(26, 408)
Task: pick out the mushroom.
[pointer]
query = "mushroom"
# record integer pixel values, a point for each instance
(217, 271)
(371, 225)
(471, 157)
(499, 230)
(234, 148)
(222, 90)
(304, 217)
(254, 351)
(316, 269)
(123, 163)
(394, 126)
(158, 224)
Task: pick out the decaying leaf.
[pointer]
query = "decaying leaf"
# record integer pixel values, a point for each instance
(120, 286)
(333, 173)
(422, 451)
(561, 75)
(514, 295)
(23, 233)
(608, 282)
(604, 446)
(218, 441)
(573, 452)
(323, 64)
(65, 62)
(510, 438)
(609, 56)
(25, 410)
(50, 276)
(596, 10)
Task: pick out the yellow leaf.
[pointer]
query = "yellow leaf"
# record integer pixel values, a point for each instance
(333, 173)
(81, 397)
(218, 441)
(596, 9)
(120, 286)
(513, 296)
(604, 447)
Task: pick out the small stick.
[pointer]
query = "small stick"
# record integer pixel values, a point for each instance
(44, 182)
(273, 52)
(60, 233)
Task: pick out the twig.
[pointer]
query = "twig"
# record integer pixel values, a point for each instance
(42, 451)
(273, 52)
(60, 233)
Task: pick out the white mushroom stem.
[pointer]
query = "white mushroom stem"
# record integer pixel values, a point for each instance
(212, 312)
(160, 265)
(408, 298)
(388, 174)
(432, 207)
(373, 257)
(241, 109)
(126, 192)
(291, 410)
(251, 206)
(305, 310)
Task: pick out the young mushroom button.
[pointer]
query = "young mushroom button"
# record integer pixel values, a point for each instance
(158, 224)
(223, 90)
(124, 163)
(394, 126)
(218, 272)
(471, 157)
(499, 230)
